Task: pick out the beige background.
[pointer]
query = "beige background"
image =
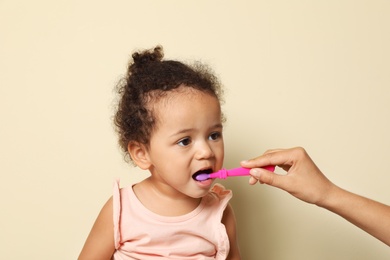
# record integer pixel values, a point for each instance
(307, 73)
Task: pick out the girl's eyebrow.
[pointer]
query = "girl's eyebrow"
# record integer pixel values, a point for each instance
(187, 130)
(219, 125)
(183, 131)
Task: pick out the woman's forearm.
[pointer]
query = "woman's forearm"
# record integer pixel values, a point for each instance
(369, 215)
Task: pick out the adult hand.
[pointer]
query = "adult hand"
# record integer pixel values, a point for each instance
(303, 179)
(306, 182)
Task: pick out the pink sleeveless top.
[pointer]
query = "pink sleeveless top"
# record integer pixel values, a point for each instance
(142, 234)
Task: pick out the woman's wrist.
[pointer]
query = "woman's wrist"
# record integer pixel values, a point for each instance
(331, 197)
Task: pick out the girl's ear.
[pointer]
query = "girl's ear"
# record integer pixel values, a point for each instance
(139, 155)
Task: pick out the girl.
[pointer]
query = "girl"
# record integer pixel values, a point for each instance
(169, 122)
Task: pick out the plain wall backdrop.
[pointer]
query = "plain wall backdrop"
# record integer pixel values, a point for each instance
(297, 73)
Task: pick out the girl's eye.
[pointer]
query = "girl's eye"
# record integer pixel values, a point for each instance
(215, 136)
(184, 142)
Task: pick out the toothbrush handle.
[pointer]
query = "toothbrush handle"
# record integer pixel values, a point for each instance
(238, 172)
(223, 173)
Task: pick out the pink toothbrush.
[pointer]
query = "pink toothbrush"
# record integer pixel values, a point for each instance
(223, 173)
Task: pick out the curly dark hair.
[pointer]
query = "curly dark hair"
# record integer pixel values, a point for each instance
(148, 78)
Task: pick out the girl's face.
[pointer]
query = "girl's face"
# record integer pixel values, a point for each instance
(187, 139)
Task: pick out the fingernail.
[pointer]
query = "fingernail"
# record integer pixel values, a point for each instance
(255, 173)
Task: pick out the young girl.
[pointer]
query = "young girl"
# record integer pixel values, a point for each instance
(169, 122)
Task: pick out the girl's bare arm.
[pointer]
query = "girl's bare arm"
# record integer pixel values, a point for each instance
(100, 242)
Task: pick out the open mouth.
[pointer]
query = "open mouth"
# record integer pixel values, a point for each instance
(206, 171)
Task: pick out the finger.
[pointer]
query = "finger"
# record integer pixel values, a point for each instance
(252, 180)
(267, 177)
(273, 150)
(271, 157)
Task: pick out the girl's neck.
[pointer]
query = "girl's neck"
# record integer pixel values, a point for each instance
(163, 202)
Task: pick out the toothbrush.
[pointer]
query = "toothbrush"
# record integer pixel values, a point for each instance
(223, 173)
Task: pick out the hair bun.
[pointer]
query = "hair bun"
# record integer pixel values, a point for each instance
(140, 59)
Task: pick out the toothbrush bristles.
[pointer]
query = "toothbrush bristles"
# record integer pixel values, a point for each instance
(202, 177)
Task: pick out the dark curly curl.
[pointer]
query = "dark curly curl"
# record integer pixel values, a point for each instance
(148, 78)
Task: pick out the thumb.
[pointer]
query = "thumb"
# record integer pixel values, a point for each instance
(267, 177)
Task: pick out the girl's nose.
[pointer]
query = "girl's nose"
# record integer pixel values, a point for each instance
(204, 151)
